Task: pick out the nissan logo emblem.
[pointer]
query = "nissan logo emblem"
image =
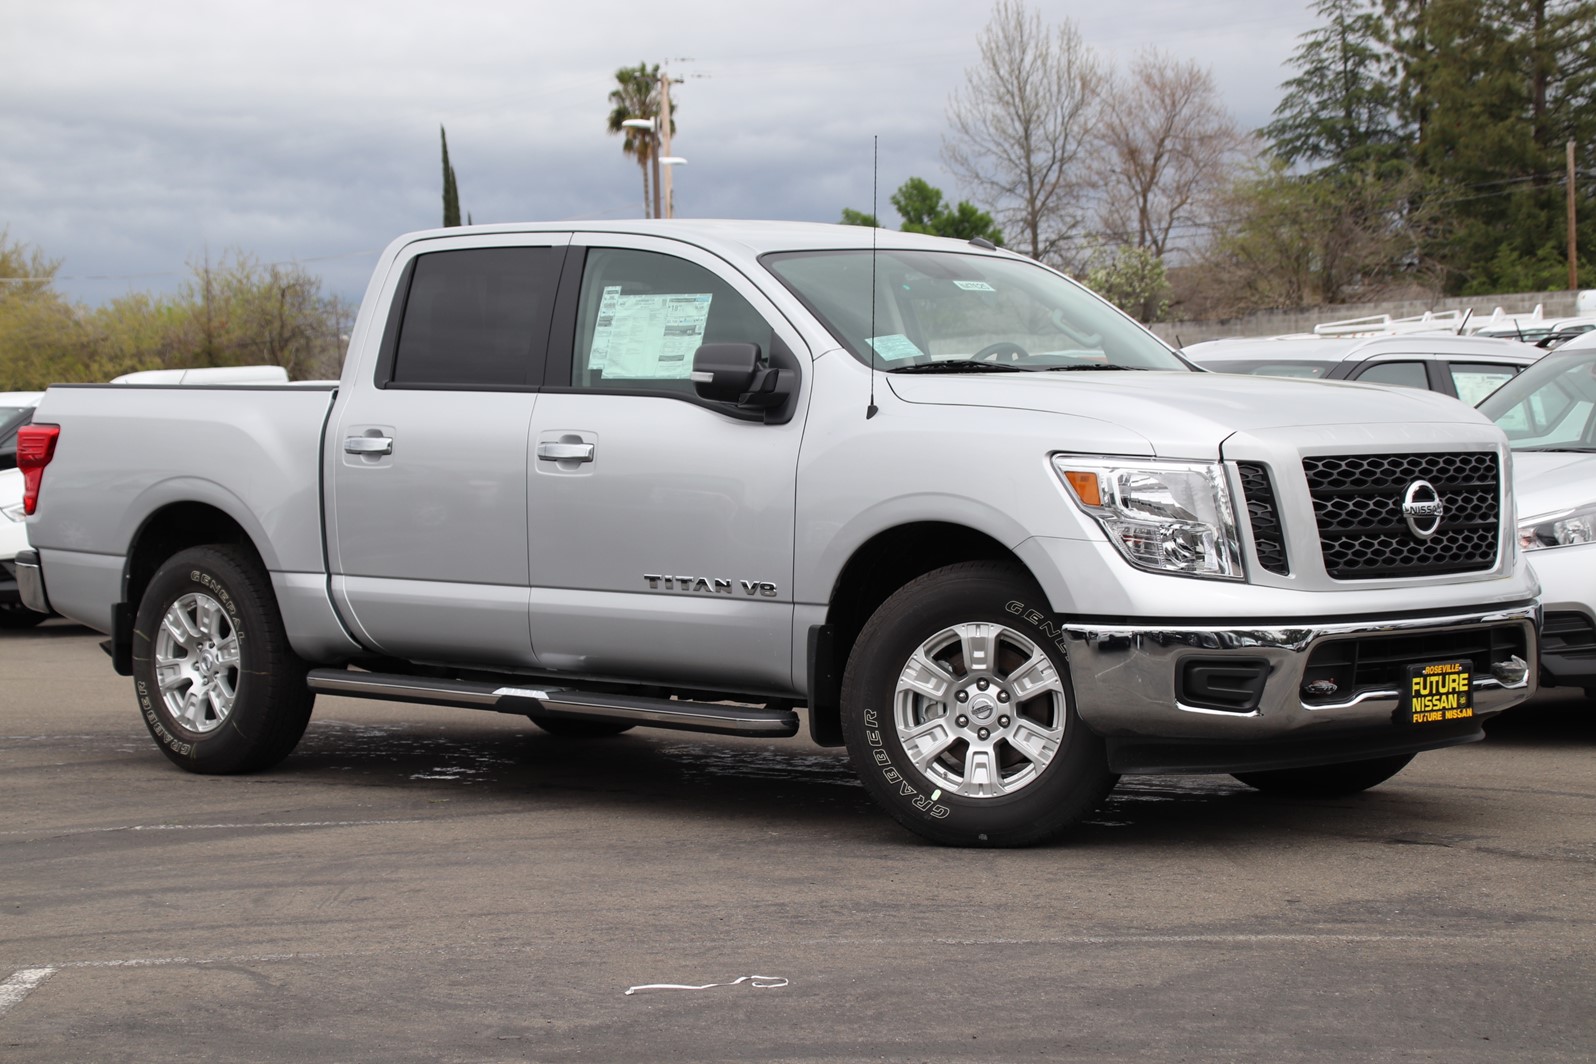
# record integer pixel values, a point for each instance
(1422, 508)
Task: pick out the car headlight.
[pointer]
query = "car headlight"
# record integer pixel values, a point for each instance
(1564, 528)
(1168, 517)
(14, 512)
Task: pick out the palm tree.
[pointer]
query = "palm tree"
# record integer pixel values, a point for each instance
(637, 96)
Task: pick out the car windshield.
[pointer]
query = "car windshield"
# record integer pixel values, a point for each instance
(1550, 406)
(942, 311)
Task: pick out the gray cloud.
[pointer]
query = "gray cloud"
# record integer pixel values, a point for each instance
(143, 137)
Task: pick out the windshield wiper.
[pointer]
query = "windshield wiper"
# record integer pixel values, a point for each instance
(1093, 366)
(1560, 450)
(957, 365)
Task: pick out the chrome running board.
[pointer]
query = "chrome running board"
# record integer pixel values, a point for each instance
(558, 702)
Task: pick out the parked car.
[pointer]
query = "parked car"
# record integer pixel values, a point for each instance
(16, 410)
(1465, 367)
(1000, 540)
(1549, 415)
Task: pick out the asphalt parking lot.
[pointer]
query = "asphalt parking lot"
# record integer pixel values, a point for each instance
(443, 885)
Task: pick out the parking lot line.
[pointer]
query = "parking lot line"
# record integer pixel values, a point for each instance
(22, 983)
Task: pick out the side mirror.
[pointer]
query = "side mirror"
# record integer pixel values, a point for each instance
(723, 373)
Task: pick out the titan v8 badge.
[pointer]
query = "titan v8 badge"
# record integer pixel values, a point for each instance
(709, 585)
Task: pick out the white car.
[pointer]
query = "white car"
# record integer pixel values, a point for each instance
(1549, 415)
(16, 409)
(1466, 367)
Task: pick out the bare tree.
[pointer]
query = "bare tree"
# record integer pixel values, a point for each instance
(1019, 127)
(1165, 145)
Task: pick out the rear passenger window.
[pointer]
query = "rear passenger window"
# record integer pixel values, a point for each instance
(477, 318)
(642, 315)
(1406, 374)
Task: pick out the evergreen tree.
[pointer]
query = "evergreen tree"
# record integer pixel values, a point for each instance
(451, 191)
(1339, 111)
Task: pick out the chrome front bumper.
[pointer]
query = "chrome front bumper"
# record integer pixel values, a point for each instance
(1126, 677)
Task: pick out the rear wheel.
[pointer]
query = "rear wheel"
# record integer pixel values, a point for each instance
(218, 685)
(959, 716)
(1327, 781)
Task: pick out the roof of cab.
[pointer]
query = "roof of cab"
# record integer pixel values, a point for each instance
(731, 237)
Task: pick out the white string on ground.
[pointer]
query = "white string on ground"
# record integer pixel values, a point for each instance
(758, 982)
(22, 983)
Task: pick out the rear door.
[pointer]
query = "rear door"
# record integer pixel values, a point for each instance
(661, 524)
(427, 461)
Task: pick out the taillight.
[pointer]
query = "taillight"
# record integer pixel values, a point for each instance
(35, 448)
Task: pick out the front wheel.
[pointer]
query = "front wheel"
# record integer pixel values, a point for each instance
(1326, 781)
(218, 685)
(958, 712)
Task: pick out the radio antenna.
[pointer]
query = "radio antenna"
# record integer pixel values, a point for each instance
(875, 223)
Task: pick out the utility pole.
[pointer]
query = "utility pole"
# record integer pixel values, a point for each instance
(664, 147)
(654, 138)
(1573, 233)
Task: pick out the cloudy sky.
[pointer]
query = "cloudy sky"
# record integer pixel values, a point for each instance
(140, 137)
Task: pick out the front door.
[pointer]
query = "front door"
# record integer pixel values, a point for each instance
(661, 524)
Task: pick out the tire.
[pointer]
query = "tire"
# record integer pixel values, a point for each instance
(235, 698)
(1001, 757)
(15, 616)
(1326, 781)
(571, 728)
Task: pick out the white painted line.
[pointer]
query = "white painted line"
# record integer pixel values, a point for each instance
(758, 982)
(20, 985)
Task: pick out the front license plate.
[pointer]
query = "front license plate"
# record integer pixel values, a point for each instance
(1438, 693)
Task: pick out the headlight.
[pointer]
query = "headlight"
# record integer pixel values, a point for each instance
(14, 512)
(1169, 517)
(1561, 529)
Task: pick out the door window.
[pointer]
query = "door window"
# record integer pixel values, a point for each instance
(1405, 374)
(1475, 380)
(642, 315)
(477, 318)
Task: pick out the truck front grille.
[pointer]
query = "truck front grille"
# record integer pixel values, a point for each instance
(1357, 500)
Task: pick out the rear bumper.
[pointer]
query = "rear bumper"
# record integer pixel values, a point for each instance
(1220, 699)
(30, 581)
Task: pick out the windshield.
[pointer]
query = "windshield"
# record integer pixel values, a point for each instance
(964, 313)
(1549, 406)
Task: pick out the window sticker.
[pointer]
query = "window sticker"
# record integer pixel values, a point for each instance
(975, 286)
(648, 337)
(894, 347)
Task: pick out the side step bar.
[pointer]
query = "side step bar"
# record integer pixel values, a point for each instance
(567, 702)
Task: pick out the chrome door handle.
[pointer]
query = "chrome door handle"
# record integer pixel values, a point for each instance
(368, 445)
(565, 452)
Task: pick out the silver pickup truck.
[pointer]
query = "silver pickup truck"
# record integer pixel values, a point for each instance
(986, 531)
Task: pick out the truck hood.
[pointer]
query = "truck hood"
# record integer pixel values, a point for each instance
(1188, 415)
(1546, 482)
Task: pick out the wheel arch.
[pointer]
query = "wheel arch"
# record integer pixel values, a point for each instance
(877, 568)
(167, 530)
